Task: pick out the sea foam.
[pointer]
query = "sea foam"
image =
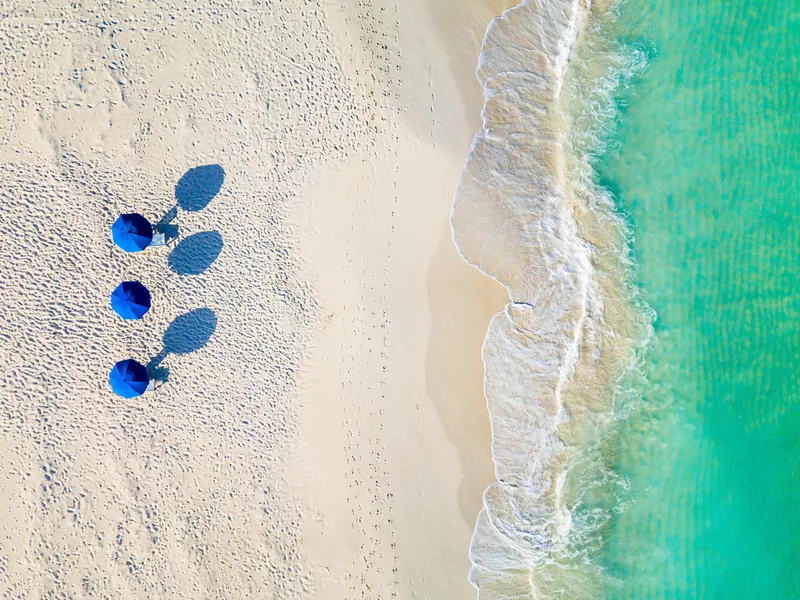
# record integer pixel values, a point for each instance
(527, 214)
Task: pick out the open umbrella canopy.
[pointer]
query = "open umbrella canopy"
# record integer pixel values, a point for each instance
(129, 378)
(130, 300)
(132, 232)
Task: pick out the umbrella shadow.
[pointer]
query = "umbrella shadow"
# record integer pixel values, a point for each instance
(198, 186)
(159, 375)
(194, 191)
(166, 226)
(196, 253)
(187, 333)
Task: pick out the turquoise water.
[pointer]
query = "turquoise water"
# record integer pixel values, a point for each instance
(705, 162)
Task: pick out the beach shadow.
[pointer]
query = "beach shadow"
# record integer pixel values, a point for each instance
(194, 190)
(166, 226)
(194, 254)
(198, 186)
(187, 333)
(160, 375)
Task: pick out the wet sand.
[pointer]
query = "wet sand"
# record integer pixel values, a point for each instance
(399, 448)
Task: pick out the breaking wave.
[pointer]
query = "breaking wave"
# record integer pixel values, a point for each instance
(561, 361)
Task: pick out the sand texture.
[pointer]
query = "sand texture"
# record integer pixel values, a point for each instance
(319, 429)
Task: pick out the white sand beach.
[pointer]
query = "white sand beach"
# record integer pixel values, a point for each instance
(320, 430)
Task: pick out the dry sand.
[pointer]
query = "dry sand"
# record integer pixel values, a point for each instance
(322, 432)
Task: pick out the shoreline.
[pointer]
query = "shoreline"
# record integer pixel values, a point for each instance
(521, 214)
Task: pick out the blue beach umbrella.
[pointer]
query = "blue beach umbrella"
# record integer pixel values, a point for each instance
(130, 300)
(132, 232)
(129, 378)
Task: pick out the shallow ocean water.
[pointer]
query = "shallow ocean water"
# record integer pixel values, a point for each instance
(704, 162)
(639, 203)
